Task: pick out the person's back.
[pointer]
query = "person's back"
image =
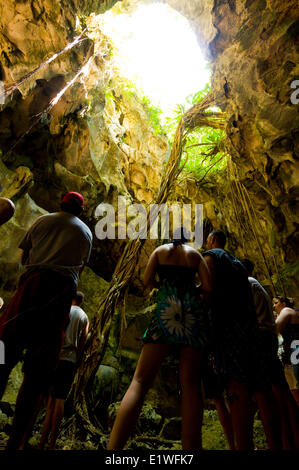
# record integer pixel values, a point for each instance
(261, 300)
(77, 325)
(180, 316)
(263, 306)
(231, 296)
(239, 358)
(178, 254)
(233, 319)
(178, 320)
(287, 323)
(58, 241)
(55, 250)
(288, 326)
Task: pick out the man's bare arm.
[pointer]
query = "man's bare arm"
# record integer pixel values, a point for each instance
(206, 279)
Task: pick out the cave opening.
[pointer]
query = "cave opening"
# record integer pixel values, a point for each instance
(107, 135)
(155, 47)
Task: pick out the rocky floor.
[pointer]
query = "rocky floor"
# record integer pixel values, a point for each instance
(165, 439)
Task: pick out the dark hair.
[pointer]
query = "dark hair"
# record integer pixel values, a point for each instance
(79, 297)
(286, 300)
(180, 235)
(74, 209)
(248, 265)
(220, 237)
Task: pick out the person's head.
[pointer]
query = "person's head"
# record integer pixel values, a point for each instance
(78, 298)
(7, 210)
(1, 302)
(248, 265)
(180, 235)
(280, 302)
(216, 239)
(72, 202)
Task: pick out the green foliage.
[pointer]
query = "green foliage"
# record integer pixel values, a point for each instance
(204, 147)
(259, 437)
(199, 95)
(154, 114)
(127, 88)
(204, 150)
(212, 433)
(213, 436)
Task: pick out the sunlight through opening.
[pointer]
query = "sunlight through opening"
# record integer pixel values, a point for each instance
(157, 50)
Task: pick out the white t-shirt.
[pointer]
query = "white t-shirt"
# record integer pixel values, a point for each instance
(76, 326)
(58, 241)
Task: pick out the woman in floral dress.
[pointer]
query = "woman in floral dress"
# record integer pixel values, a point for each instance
(180, 320)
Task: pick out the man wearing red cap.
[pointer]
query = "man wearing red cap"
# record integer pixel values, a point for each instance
(55, 250)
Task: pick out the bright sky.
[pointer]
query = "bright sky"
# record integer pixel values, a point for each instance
(159, 52)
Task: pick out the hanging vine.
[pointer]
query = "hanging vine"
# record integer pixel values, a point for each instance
(81, 393)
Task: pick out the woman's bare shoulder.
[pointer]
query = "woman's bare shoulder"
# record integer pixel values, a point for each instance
(161, 249)
(194, 254)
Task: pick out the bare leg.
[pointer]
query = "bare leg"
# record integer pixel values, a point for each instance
(284, 419)
(30, 425)
(150, 360)
(47, 423)
(240, 406)
(225, 420)
(27, 402)
(289, 415)
(192, 403)
(270, 418)
(295, 393)
(56, 420)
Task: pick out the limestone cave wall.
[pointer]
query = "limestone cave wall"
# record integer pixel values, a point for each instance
(103, 146)
(87, 143)
(253, 48)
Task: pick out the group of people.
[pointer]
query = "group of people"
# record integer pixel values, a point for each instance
(38, 320)
(227, 339)
(208, 307)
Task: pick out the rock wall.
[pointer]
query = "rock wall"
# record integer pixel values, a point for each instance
(86, 142)
(255, 62)
(252, 46)
(97, 140)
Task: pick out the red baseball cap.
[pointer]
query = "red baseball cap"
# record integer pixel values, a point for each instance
(73, 198)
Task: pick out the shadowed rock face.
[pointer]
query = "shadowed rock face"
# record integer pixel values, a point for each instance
(254, 66)
(254, 56)
(104, 148)
(85, 143)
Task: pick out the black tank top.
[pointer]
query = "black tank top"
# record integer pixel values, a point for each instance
(181, 274)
